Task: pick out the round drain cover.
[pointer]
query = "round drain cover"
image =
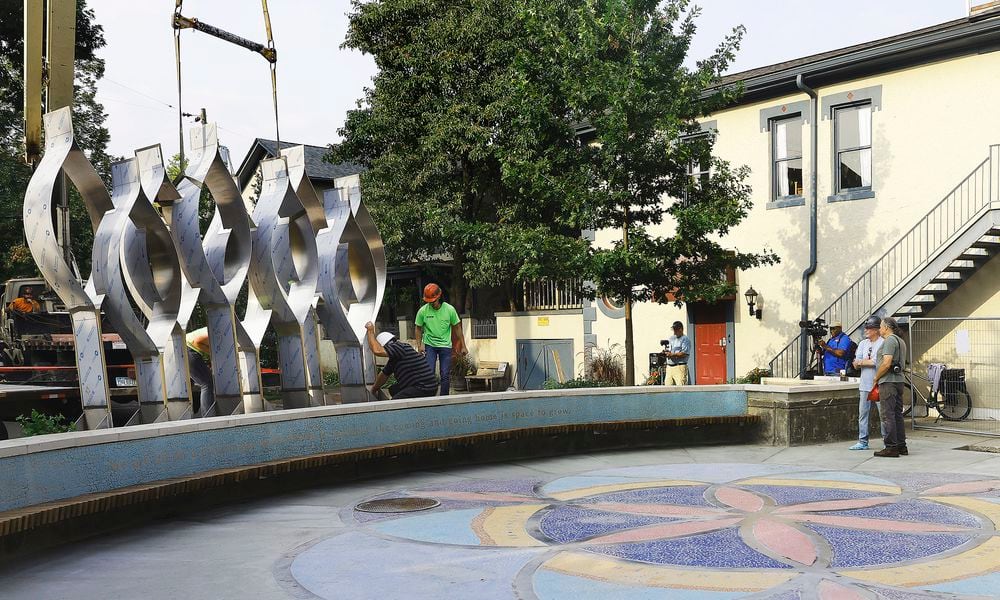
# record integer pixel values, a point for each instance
(397, 505)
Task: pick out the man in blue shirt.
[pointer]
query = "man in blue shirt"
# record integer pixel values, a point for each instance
(835, 350)
(678, 349)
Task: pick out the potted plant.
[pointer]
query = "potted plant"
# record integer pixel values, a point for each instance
(461, 365)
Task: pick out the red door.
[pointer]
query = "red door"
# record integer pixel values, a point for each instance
(710, 345)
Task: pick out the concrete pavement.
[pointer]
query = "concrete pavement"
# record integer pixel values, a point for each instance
(703, 522)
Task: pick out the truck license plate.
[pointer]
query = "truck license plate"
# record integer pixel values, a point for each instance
(124, 382)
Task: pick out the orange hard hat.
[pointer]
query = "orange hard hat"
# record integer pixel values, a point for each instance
(432, 292)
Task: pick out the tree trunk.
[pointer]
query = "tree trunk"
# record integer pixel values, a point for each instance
(629, 346)
(629, 341)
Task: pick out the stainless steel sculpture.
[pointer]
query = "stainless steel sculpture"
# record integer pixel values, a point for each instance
(308, 260)
(82, 301)
(153, 275)
(218, 266)
(284, 275)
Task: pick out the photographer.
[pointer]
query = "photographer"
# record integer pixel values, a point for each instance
(835, 350)
(677, 348)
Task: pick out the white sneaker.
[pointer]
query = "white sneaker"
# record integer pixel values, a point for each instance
(859, 446)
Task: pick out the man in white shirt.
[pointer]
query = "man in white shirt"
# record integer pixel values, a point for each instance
(864, 359)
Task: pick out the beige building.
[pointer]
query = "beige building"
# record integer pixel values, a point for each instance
(900, 138)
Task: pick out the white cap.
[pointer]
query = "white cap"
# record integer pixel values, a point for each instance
(384, 338)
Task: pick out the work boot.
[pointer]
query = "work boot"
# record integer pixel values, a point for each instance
(903, 451)
(888, 453)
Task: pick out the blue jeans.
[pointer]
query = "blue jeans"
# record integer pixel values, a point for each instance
(437, 355)
(864, 410)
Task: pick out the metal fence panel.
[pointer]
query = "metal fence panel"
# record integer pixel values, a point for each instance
(970, 350)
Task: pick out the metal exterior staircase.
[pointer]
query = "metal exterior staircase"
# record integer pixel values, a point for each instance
(941, 251)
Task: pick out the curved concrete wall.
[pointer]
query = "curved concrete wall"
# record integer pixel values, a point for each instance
(54, 467)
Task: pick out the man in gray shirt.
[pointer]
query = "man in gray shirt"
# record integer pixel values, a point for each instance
(891, 358)
(865, 360)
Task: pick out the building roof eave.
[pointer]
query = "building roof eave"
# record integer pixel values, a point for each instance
(948, 40)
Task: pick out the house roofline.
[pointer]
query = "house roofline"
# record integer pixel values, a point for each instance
(972, 35)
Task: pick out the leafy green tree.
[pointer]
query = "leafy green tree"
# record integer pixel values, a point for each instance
(91, 134)
(467, 142)
(629, 82)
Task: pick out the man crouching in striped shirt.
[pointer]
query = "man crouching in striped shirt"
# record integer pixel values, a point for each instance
(414, 378)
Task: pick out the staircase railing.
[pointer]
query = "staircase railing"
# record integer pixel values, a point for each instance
(907, 257)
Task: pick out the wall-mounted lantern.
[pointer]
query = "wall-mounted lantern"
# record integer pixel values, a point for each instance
(755, 304)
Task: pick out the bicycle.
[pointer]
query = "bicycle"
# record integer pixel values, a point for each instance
(952, 400)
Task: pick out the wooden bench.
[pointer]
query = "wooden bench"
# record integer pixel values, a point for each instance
(488, 372)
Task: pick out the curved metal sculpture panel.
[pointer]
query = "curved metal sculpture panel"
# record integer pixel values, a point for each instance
(218, 265)
(337, 291)
(62, 155)
(108, 278)
(284, 274)
(155, 279)
(370, 295)
(295, 158)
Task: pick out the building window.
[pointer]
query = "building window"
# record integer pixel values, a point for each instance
(786, 157)
(697, 169)
(853, 143)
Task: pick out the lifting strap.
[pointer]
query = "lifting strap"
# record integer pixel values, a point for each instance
(268, 51)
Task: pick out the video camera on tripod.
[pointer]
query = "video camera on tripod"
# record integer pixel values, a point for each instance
(816, 329)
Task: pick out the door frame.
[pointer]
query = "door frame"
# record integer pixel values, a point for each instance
(729, 312)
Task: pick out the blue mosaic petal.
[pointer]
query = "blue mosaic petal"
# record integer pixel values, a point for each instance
(857, 548)
(718, 549)
(569, 523)
(684, 495)
(549, 585)
(790, 494)
(917, 511)
(524, 487)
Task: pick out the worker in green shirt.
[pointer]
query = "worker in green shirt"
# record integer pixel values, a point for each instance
(439, 333)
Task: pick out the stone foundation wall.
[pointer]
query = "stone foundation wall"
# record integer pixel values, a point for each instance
(805, 413)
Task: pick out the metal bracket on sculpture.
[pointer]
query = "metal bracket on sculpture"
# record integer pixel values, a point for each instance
(62, 155)
(284, 273)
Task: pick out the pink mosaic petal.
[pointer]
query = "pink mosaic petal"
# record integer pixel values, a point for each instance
(665, 531)
(477, 496)
(829, 590)
(657, 510)
(834, 505)
(877, 524)
(739, 499)
(785, 540)
(968, 487)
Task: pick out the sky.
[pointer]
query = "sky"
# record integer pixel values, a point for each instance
(318, 81)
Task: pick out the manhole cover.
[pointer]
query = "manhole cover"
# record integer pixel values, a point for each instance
(397, 505)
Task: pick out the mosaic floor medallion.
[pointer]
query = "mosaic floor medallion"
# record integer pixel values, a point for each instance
(678, 532)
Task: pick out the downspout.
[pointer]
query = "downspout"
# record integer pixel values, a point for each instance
(804, 349)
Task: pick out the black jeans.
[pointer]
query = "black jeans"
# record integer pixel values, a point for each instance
(893, 429)
(411, 392)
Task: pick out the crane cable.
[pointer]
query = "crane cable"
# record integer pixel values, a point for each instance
(274, 75)
(180, 110)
